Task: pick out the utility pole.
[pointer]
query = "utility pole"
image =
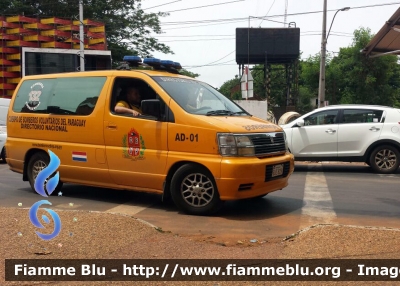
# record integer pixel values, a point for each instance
(81, 38)
(321, 91)
(286, 6)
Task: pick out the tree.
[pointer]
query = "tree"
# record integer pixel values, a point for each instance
(189, 73)
(231, 89)
(277, 86)
(128, 27)
(354, 78)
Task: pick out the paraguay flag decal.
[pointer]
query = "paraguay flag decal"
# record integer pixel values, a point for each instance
(79, 156)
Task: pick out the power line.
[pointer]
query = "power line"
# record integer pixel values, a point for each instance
(219, 23)
(232, 35)
(198, 40)
(272, 16)
(213, 64)
(198, 7)
(162, 5)
(188, 36)
(330, 34)
(223, 39)
(205, 25)
(337, 32)
(216, 60)
(216, 20)
(267, 12)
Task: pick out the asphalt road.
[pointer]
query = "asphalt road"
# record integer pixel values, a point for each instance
(317, 193)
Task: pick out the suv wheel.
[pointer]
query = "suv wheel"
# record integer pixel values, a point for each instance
(385, 159)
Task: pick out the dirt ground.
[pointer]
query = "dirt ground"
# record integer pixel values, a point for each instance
(112, 236)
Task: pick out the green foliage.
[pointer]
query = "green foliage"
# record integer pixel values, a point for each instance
(309, 74)
(188, 73)
(354, 78)
(278, 83)
(305, 103)
(231, 89)
(128, 28)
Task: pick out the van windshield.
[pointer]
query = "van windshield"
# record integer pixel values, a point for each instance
(199, 98)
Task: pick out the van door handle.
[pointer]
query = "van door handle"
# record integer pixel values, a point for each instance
(330, 131)
(111, 125)
(374, 129)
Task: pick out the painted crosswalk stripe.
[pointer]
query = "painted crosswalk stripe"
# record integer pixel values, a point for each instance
(318, 206)
(128, 208)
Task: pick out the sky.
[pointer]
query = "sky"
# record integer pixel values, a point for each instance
(197, 45)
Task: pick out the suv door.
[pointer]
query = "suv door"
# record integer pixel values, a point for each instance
(318, 136)
(358, 129)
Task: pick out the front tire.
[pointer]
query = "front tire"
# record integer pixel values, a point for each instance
(194, 191)
(385, 159)
(37, 163)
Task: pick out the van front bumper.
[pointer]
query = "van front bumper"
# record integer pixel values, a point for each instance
(243, 178)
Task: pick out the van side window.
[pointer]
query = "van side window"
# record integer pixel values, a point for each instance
(33, 96)
(119, 91)
(77, 95)
(72, 95)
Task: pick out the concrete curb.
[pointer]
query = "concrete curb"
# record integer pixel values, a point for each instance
(338, 225)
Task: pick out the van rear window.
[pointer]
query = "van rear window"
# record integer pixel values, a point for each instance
(72, 95)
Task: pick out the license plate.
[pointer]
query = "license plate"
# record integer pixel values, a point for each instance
(277, 170)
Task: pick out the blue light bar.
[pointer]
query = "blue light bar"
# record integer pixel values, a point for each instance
(133, 59)
(167, 64)
(152, 62)
(177, 66)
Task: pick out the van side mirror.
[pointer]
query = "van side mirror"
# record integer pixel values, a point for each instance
(151, 107)
(299, 123)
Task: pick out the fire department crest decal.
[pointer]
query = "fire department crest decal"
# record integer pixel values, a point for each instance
(133, 145)
(34, 96)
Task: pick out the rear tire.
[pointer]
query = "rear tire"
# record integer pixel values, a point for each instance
(3, 154)
(194, 191)
(385, 159)
(37, 163)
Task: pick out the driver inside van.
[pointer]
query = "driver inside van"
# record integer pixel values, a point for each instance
(129, 102)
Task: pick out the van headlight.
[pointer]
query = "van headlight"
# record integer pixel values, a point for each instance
(235, 145)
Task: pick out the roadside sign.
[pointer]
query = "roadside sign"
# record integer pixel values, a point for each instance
(246, 84)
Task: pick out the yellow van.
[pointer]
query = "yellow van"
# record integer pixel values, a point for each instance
(189, 142)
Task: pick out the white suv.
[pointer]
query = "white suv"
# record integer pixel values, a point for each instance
(349, 133)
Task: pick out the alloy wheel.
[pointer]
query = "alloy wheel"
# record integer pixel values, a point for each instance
(197, 190)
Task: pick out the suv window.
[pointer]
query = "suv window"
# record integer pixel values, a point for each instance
(74, 95)
(321, 118)
(361, 115)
